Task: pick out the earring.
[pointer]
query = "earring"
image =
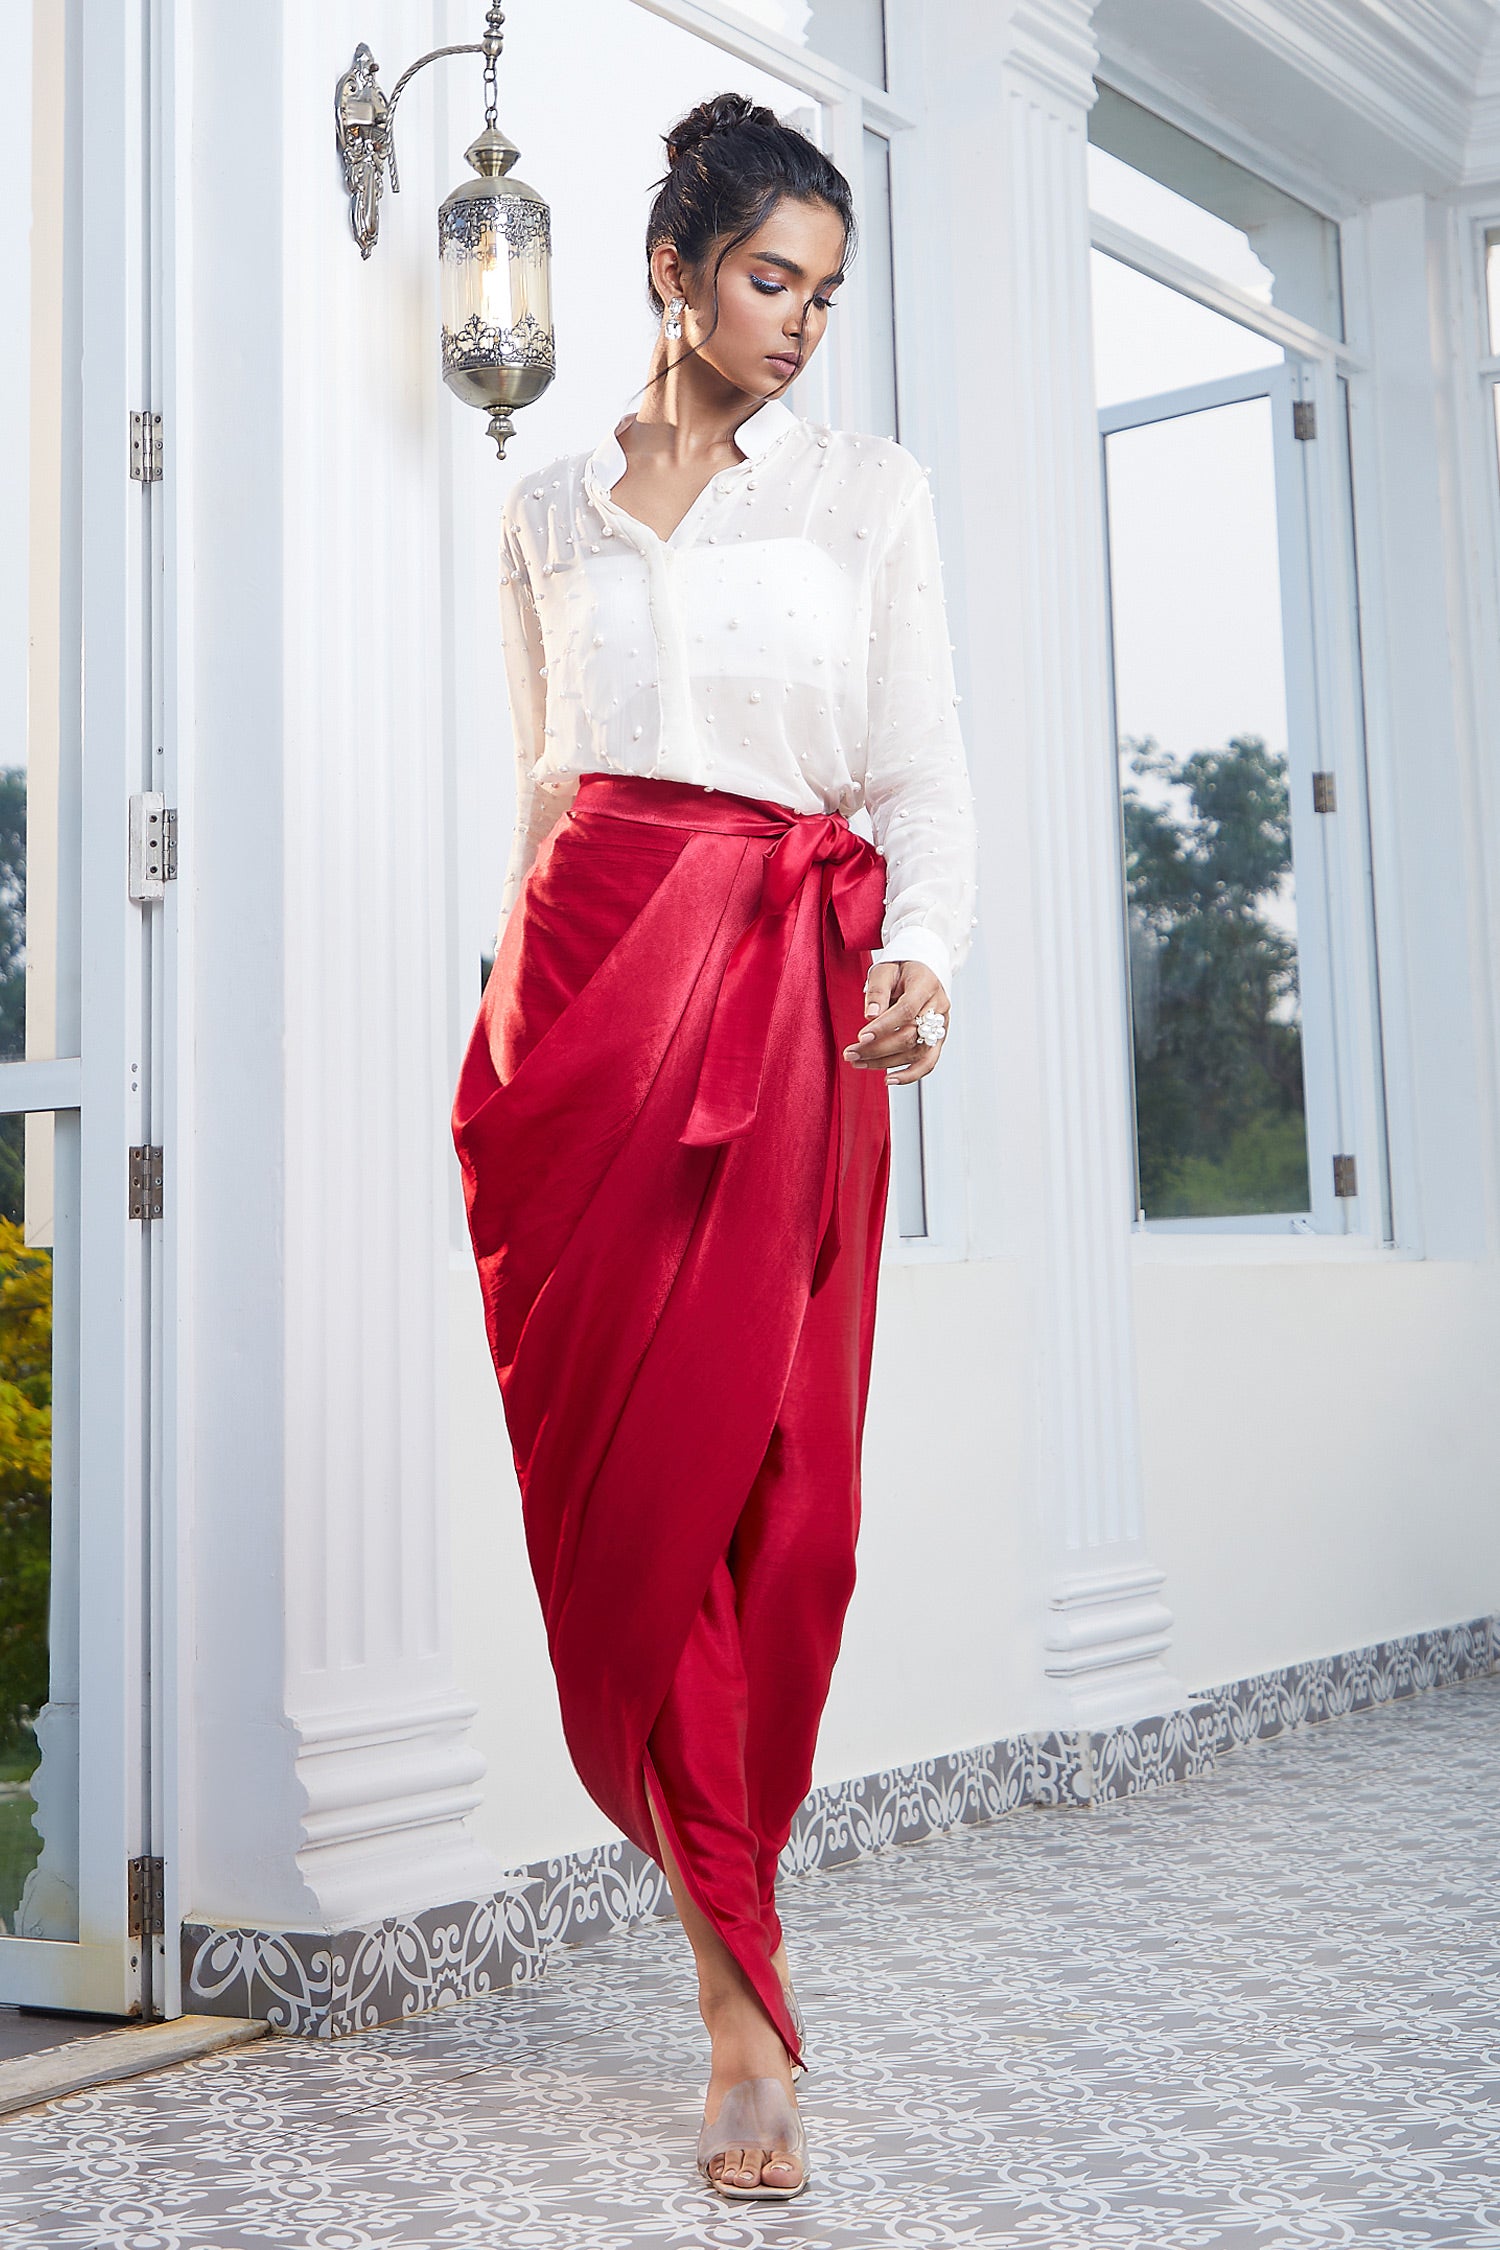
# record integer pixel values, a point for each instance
(674, 324)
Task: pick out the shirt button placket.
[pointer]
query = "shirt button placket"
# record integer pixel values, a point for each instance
(674, 698)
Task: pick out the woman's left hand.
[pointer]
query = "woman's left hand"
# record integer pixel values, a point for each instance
(896, 993)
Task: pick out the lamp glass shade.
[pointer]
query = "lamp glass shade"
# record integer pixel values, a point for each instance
(495, 248)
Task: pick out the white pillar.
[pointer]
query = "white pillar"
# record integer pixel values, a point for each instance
(330, 1767)
(1019, 488)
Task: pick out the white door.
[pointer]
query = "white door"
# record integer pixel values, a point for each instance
(77, 960)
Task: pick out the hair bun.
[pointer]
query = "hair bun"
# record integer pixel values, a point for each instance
(720, 115)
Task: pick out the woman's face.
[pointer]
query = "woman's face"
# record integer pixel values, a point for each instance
(775, 293)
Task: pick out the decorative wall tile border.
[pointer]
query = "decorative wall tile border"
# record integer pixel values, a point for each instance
(325, 1984)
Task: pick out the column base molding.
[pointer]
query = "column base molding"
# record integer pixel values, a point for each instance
(386, 1797)
(328, 1983)
(1106, 1634)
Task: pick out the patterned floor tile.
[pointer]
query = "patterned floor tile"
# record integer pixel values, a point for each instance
(1260, 2012)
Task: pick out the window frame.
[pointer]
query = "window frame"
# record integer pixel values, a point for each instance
(839, 389)
(1331, 373)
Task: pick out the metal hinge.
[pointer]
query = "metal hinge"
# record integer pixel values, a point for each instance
(145, 448)
(153, 844)
(1345, 1177)
(148, 1901)
(1325, 792)
(145, 1183)
(1304, 418)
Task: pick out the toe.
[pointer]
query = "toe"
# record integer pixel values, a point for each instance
(739, 2170)
(780, 2169)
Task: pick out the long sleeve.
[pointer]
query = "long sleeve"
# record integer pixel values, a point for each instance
(917, 785)
(526, 684)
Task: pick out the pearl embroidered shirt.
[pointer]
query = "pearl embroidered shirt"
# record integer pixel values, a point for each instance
(787, 641)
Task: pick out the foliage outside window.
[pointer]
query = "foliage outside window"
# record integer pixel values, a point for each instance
(1218, 1045)
(25, 1402)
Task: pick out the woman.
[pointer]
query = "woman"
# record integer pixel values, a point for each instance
(723, 632)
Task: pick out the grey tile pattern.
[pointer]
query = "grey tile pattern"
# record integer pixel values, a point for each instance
(1269, 1703)
(851, 1819)
(324, 1984)
(327, 1985)
(1258, 2014)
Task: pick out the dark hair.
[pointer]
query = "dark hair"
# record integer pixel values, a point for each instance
(729, 163)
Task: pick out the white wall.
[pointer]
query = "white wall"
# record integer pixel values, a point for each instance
(1321, 1465)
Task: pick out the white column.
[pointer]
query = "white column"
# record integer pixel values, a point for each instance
(333, 1770)
(1019, 489)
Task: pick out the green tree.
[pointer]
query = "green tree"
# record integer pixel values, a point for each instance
(25, 1480)
(1218, 1045)
(12, 973)
(25, 1339)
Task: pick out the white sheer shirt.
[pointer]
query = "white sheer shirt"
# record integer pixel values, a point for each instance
(788, 641)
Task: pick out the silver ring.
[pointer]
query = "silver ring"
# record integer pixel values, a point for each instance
(931, 1029)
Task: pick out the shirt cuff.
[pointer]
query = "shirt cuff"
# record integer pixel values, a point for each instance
(925, 946)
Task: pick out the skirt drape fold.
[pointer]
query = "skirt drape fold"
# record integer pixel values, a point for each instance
(676, 1191)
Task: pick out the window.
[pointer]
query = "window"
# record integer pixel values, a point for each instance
(646, 71)
(1225, 474)
(882, 416)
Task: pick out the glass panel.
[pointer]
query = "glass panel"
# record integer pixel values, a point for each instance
(38, 1528)
(848, 32)
(1200, 705)
(38, 361)
(877, 274)
(1159, 182)
(1492, 284)
(1148, 338)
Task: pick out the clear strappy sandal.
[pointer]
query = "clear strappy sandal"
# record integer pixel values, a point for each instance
(795, 2013)
(757, 2113)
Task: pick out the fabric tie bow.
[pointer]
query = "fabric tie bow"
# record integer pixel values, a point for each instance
(852, 877)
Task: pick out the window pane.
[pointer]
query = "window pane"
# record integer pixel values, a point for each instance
(848, 32)
(1200, 700)
(1492, 284)
(878, 279)
(38, 1527)
(38, 494)
(1161, 183)
(1149, 339)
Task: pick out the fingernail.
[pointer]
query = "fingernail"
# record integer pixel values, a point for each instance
(864, 1035)
(872, 1007)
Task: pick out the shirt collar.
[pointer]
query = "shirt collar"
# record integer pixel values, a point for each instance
(754, 436)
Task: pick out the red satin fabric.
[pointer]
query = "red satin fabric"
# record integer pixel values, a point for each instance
(676, 1190)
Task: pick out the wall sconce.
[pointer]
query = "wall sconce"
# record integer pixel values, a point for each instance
(494, 238)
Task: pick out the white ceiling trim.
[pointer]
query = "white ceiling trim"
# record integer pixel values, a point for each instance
(1412, 73)
(1407, 69)
(1482, 157)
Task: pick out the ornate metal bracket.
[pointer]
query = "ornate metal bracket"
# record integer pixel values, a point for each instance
(365, 119)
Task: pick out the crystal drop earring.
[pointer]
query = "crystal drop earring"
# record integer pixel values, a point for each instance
(674, 323)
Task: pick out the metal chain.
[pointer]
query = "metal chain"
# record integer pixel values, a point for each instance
(494, 40)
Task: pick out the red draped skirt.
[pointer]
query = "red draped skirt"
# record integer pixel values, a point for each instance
(676, 1191)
